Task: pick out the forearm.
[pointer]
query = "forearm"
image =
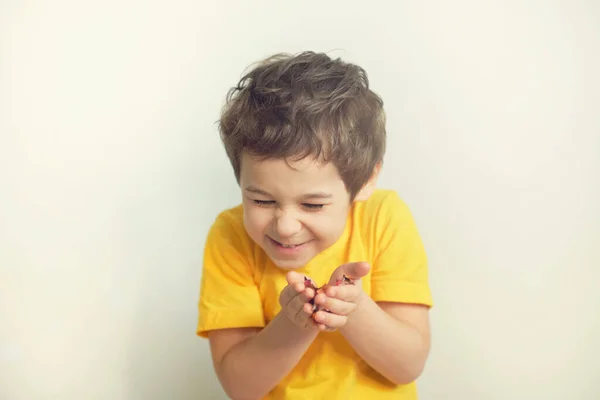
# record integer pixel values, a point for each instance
(253, 367)
(393, 348)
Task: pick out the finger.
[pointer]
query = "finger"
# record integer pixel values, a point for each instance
(299, 282)
(325, 328)
(308, 308)
(298, 301)
(347, 293)
(332, 321)
(355, 270)
(293, 278)
(304, 318)
(336, 306)
(287, 294)
(293, 288)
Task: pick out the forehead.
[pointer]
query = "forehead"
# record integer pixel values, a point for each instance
(307, 174)
(251, 165)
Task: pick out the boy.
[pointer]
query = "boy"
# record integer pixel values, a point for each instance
(306, 139)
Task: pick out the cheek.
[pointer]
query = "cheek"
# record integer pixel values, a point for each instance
(327, 228)
(256, 220)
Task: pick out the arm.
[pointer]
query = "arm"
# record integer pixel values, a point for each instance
(393, 338)
(249, 362)
(395, 314)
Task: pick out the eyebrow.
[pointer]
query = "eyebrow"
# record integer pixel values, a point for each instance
(314, 195)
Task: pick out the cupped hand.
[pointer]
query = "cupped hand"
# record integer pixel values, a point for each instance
(296, 301)
(341, 296)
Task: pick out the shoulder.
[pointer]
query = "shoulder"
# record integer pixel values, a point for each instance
(230, 218)
(233, 215)
(227, 229)
(383, 203)
(383, 216)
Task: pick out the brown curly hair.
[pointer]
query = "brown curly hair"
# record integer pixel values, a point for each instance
(294, 106)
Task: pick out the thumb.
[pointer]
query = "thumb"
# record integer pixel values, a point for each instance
(300, 283)
(355, 270)
(294, 278)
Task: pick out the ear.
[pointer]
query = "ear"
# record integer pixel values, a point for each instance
(369, 187)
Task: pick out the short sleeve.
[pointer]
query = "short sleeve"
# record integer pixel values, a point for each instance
(229, 297)
(400, 269)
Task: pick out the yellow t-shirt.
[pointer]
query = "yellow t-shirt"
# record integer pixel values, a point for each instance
(240, 288)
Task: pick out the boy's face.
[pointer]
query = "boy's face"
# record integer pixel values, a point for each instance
(293, 210)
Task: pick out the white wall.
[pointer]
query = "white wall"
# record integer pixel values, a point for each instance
(111, 172)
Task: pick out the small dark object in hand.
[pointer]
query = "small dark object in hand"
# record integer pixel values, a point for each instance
(308, 283)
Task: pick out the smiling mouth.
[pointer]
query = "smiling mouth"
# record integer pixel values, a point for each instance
(288, 246)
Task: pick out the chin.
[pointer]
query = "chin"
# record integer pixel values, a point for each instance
(289, 264)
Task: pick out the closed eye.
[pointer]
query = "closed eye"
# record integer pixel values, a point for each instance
(308, 206)
(264, 203)
(313, 207)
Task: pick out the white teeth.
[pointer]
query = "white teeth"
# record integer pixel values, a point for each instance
(286, 246)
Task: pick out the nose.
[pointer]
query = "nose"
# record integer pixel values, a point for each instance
(286, 225)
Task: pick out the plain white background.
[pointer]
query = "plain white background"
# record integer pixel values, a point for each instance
(111, 172)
